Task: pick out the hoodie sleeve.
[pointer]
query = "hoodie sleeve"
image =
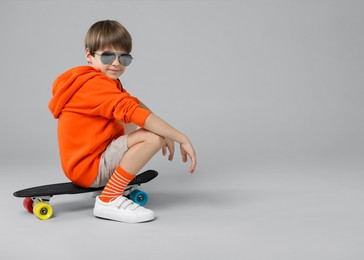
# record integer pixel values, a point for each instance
(101, 96)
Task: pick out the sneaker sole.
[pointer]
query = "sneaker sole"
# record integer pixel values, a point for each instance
(126, 219)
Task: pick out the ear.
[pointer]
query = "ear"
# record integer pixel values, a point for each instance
(88, 56)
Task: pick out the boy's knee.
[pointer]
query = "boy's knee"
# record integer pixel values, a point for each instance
(144, 136)
(155, 139)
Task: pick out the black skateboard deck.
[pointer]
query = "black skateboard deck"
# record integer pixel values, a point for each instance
(37, 198)
(70, 188)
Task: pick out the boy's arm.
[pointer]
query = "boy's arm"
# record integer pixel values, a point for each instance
(131, 127)
(169, 142)
(160, 127)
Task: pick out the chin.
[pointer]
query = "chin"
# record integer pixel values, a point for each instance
(112, 76)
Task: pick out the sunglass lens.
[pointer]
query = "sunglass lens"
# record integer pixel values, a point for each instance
(107, 58)
(125, 59)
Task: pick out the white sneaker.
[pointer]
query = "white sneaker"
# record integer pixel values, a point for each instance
(122, 209)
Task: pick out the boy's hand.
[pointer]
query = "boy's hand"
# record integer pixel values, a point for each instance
(187, 149)
(158, 126)
(170, 145)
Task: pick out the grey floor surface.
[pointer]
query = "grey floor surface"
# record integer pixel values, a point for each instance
(278, 213)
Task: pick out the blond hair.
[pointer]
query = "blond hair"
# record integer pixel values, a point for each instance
(108, 34)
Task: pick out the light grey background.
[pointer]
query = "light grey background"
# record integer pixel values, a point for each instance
(270, 93)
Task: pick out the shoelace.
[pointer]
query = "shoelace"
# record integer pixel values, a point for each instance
(125, 203)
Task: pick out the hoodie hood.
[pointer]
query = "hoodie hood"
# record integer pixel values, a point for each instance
(67, 84)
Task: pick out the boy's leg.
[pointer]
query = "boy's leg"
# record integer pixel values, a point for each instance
(143, 145)
(111, 204)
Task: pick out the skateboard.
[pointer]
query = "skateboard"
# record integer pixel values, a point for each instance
(37, 199)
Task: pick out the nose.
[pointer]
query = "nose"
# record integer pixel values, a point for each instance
(116, 62)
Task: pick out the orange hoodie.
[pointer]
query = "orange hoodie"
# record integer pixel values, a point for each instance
(88, 104)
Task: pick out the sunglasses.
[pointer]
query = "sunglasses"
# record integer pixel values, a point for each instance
(108, 57)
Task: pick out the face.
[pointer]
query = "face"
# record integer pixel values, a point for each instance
(113, 70)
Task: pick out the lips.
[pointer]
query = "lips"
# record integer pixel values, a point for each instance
(114, 71)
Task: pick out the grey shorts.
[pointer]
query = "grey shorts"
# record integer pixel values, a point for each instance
(110, 159)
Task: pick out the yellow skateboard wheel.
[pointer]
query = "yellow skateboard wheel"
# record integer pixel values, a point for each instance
(42, 210)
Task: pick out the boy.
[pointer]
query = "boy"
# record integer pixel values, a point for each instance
(94, 114)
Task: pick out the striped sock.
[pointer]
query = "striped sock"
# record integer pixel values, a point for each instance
(116, 185)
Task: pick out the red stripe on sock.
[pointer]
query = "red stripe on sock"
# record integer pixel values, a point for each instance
(116, 185)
